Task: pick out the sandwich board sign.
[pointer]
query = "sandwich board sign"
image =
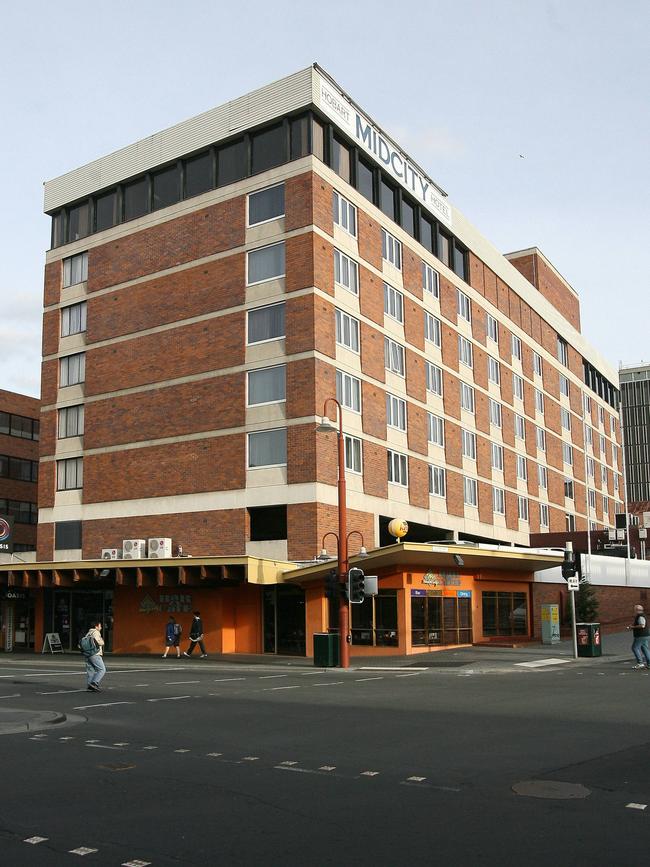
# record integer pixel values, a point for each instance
(52, 643)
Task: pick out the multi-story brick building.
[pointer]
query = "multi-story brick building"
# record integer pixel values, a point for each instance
(209, 287)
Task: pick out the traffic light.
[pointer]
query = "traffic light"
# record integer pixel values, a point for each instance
(569, 565)
(332, 587)
(356, 585)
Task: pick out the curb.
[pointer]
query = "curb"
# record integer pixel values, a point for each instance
(36, 724)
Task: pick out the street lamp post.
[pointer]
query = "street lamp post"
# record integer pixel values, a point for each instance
(326, 426)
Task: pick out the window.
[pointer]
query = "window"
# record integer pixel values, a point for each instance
(166, 187)
(517, 386)
(543, 515)
(267, 523)
(603, 475)
(348, 391)
(18, 468)
(498, 501)
(567, 454)
(346, 272)
(71, 421)
(612, 425)
(586, 402)
(67, 535)
(69, 474)
(387, 198)
(492, 328)
(467, 397)
(73, 319)
(433, 375)
(199, 175)
(564, 385)
(460, 260)
(267, 385)
(19, 426)
(568, 489)
(522, 468)
(106, 214)
(605, 507)
(347, 331)
(437, 485)
(318, 139)
(391, 249)
(430, 280)
(232, 162)
(616, 482)
(443, 246)
(592, 499)
(72, 369)
(136, 199)
(516, 347)
(537, 364)
(353, 454)
(393, 303)
(601, 415)
(539, 401)
(540, 438)
(590, 467)
(266, 323)
(464, 306)
(495, 413)
(520, 427)
(497, 457)
(432, 331)
(22, 512)
(602, 446)
(470, 492)
(589, 436)
(504, 613)
(562, 351)
(268, 148)
(267, 448)
(397, 468)
(408, 217)
(427, 233)
(565, 419)
(395, 412)
(436, 429)
(468, 440)
(394, 356)
(365, 180)
(465, 355)
(265, 263)
(345, 214)
(75, 269)
(542, 476)
(78, 221)
(522, 506)
(570, 523)
(265, 205)
(494, 370)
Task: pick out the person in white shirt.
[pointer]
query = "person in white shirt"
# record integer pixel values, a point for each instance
(95, 668)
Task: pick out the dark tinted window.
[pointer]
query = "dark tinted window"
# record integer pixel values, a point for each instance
(459, 261)
(317, 139)
(427, 234)
(341, 159)
(78, 221)
(299, 137)
(4, 423)
(67, 535)
(387, 199)
(444, 243)
(268, 523)
(231, 163)
(136, 199)
(198, 175)
(58, 225)
(21, 427)
(408, 217)
(365, 180)
(166, 187)
(269, 148)
(106, 211)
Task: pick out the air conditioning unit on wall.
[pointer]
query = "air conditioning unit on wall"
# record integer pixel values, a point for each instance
(111, 553)
(134, 549)
(160, 548)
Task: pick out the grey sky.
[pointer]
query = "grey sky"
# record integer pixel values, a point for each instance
(464, 86)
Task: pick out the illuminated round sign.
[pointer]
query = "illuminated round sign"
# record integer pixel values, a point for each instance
(398, 528)
(5, 530)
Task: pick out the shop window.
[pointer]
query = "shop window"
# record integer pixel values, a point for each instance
(437, 620)
(374, 621)
(504, 613)
(199, 175)
(267, 523)
(268, 148)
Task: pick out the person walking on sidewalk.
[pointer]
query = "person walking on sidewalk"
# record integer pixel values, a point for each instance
(172, 637)
(196, 636)
(641, 631)
(92, 648)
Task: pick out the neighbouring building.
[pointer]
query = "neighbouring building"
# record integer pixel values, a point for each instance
(635, 403)
(209, 287)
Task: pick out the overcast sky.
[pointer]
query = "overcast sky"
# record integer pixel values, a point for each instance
(465, 86)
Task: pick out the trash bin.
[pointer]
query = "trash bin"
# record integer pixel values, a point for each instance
(589, 643)
(326, 649)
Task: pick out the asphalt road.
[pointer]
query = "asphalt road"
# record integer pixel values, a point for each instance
(202, 763)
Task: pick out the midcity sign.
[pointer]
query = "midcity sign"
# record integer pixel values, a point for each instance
(383, 151)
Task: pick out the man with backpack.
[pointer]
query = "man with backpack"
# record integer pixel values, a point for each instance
(92, 649)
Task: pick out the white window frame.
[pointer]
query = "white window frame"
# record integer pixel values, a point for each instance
(586, 403)
(248, 450)
(542, 477)
(522, 468)
(517, 386)
(463, 306)
(494, 371)
(265, 339)
(394, 357)
(567, 454)
(543, 515)
(66, 314)
(80, 261)
(437, 481)
(540, 438)
(492, 328)
(468, 444)
(538, 365)
(343, 320)
(591, 467)
(251, 253)
(495, 413)
(342, 262)
(520, 427)
(257, 193)
(397, 468)
(467, 398)
(564, 385)
(435, 429)
(539, 401)
(430, 280)
(592, 499)
(251, 373)
(562, 351)
(433, 376)
(432, 329)
(393, 303)
(395, 412)
(470, 492)
(465, 352)
(73, 468)
(565, 419)
(344, 213)
(589, 436)
(353, 450)
(344, 382)
(498, 501)
(496, 457)
(391, 249)
(522, 508)
(515, 347)
(569, 489)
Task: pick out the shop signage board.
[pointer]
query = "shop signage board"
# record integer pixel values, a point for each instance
(52, 643)
(573, 583)
(6, 534)
(464, 594)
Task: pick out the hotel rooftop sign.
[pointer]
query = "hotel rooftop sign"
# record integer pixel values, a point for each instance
(382, 150)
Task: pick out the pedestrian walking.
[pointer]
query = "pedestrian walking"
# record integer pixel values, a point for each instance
(92, 648)
(641, 630)
(196, 636)
(173, 632)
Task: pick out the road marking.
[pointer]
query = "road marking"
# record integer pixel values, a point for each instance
(92, 740)
(121, 744)
(181, 751)
(274, 688)
(250, 758)
(61, 692)
(136, 863)
(149, 748)
(214, 755)
(540, 663)
(15, 695)
(634, 806)
(364, 679)
(140, 684)
(82, 850)
(413, 674)
(369, 773)
(35, 840)
(288, 764)
(330, 683)
(415, 779)
(69, 738)
(271, 676)
(311, 673)
(387, 668)
(102, 747)
(179, 682)
(225, 679)
(74, 672)
(104, 704)
(327, 768)
(170, 698)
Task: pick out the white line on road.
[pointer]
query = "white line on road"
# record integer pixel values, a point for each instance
(73, 672)
(387, 668)
(121, 744)
(540, 663)
(35, 840)
(327, 768)
(276, 688)
(311, 673)
(82, 850)
(102, 747)
(136, 863)
(288, 764)
(225, 679)
(250, 758)
(634, 806)
(179, 682)
(364, 679)
(415, 779)
(330, 683)
(149, 748)
(170, 698)
(413, 674)
(104, 704)
(214, 755)
(271, 676)
(15, 695)
(62, 692)
(369, 773)
(181, 751)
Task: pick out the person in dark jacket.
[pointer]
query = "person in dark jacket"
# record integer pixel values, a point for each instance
(172, 637)
(641, 631)
(196, 636)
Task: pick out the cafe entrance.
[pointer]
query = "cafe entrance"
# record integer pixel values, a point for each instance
(440, 620)
(70, 612)
(17, 620)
